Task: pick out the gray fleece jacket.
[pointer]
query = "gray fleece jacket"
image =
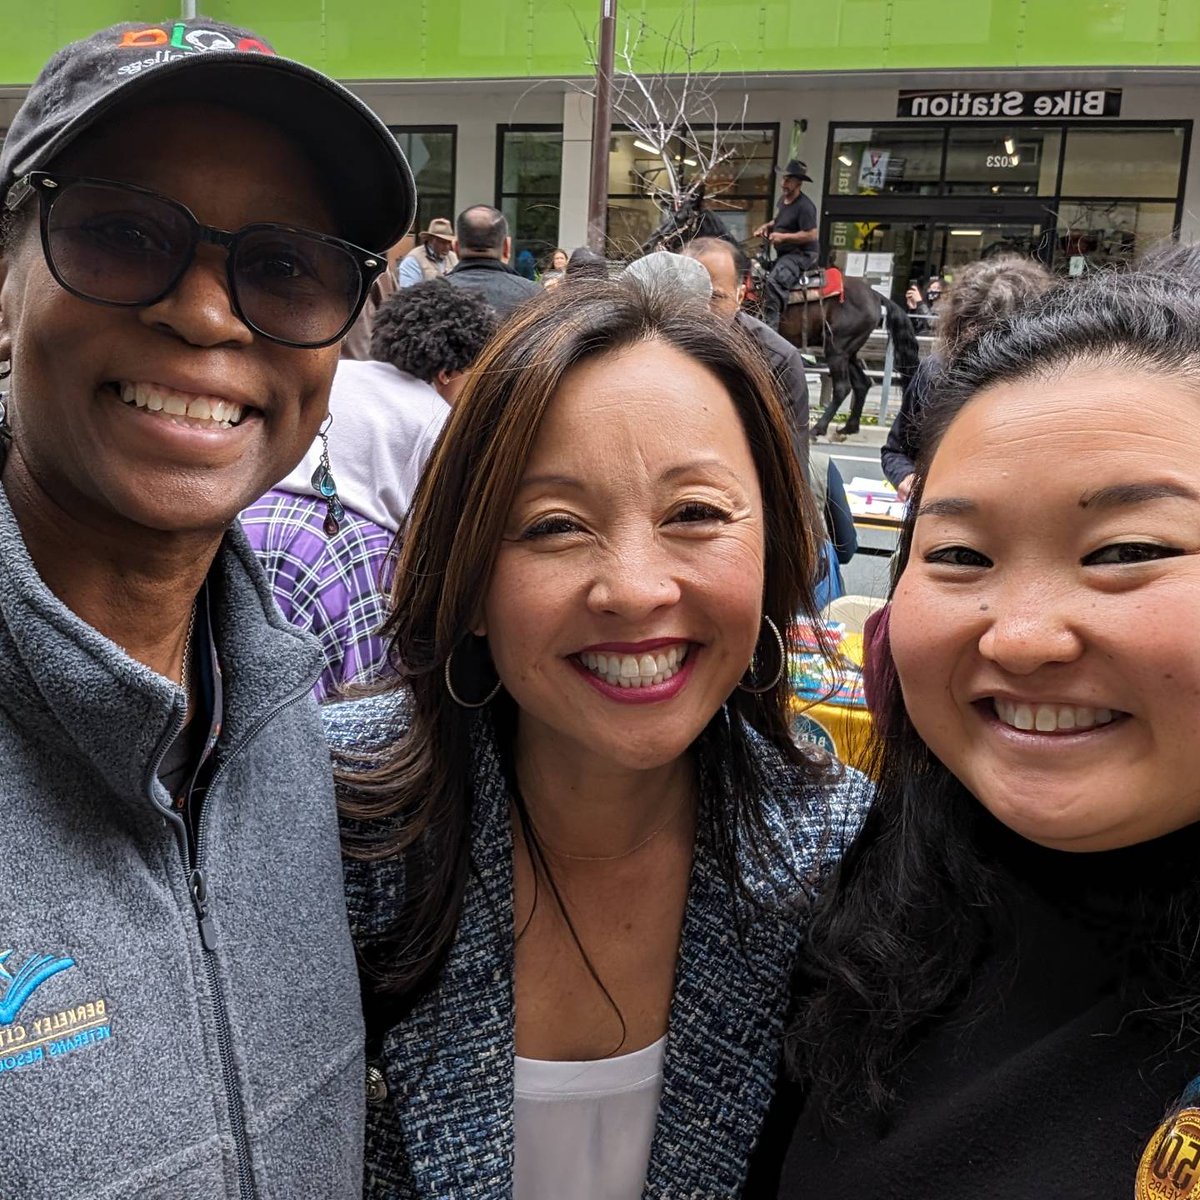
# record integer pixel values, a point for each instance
(156, 1043)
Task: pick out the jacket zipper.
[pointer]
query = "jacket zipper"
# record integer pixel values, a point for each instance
(201, 902)
(198, 887)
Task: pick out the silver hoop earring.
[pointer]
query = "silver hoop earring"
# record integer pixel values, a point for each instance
(457, 698)
(758, 690)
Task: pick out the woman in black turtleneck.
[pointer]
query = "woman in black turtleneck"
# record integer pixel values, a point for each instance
(1001, 992)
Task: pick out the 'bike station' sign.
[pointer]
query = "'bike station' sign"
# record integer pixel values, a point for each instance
(1068, 102)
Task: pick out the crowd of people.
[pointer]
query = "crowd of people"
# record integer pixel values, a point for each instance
(545, 900)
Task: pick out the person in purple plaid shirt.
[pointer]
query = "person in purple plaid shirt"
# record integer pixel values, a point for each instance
(333, 587)
(387, 415)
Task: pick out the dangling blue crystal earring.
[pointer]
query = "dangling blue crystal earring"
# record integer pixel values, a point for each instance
(325, 486)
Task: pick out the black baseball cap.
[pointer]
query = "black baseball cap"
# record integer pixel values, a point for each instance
(203, 60)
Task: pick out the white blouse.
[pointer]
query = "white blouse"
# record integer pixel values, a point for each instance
(583, 1129)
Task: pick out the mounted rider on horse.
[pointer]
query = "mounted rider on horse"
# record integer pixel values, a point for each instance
(794, 234)
(806, 306)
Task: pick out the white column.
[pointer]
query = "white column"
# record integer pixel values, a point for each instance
(576, 163)
(475, 164)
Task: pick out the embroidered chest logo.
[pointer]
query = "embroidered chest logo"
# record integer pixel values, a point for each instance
(27, 1041)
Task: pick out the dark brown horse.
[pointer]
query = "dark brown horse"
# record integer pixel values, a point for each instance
(840, 328)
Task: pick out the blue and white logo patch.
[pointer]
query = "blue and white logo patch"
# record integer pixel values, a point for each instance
(27, 1040)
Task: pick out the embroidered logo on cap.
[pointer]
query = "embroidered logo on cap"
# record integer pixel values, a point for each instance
(181, 42)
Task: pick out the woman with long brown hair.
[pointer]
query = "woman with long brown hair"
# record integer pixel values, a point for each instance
(582, 839)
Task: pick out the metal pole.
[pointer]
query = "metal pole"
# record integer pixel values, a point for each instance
(188, 9)
(889, 365)
(602, 128)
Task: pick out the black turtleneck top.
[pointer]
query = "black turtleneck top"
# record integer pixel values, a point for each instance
(1056, 1086)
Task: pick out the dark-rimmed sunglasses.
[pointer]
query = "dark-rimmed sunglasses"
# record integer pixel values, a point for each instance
(125, 246)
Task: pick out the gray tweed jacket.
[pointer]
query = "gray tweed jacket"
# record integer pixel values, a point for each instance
(445, 1127)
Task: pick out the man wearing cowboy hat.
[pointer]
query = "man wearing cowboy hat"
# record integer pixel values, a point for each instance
(794, 234)
(432, 257)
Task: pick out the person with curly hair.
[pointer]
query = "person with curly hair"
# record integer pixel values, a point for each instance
(385, 415)
(431, 332)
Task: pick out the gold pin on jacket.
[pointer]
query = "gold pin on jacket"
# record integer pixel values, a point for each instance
(1170, 1166)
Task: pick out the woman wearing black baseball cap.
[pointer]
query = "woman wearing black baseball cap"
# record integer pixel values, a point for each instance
(190, 226)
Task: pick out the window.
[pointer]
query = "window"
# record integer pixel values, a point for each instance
(430, 151)
(1111, 177)
(528, 185)
(1007, 160)
(740, 190)
(995, 160)
(923, 200)
(896, 160)
(1123, 161)
(1097, 233)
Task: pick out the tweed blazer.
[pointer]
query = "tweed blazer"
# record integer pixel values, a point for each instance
(445, 1127)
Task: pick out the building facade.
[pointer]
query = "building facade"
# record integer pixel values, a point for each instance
(936, 131)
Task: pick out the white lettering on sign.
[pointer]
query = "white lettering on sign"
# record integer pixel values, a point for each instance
(1012, 104)
(1070, 102)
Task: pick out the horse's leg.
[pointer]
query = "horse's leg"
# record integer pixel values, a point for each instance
(839, 378)
(850, 325)
(860, 385)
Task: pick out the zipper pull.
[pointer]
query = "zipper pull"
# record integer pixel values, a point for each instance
(199, 889)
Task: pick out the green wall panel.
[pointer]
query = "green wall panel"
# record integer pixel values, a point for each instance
(487, 40)
(407, 39)
(558, 45)
(833, 36)
(35, 33)
(949, 33)
(1181, 32)
(1083, 32)
(731, 31)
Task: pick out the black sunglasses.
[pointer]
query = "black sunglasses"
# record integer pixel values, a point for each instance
(113, 243)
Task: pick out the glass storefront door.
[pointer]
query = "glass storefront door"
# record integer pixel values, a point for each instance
(894, 253)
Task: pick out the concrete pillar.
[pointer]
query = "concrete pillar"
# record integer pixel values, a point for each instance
(576, 164)
(475, 165)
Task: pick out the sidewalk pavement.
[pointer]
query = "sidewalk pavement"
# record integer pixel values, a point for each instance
(869, 436)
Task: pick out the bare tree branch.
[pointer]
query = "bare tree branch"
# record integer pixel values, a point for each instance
(674, 110)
